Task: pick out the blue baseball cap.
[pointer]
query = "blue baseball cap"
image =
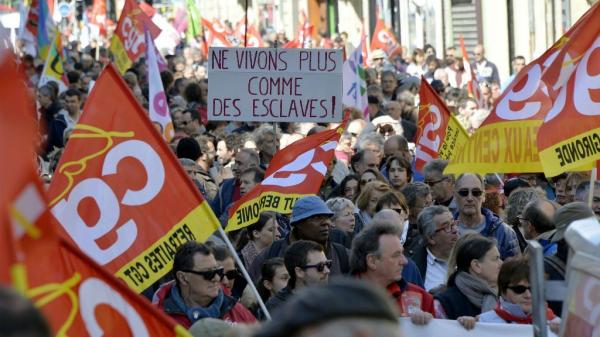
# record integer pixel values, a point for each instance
(307, 207)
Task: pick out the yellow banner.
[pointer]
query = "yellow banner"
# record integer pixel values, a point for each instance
(574, 154)
(500, 147)
(455, 138)
(122, 60)
(156, 261)
(249, 212)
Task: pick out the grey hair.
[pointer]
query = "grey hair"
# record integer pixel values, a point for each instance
(415, 190)
(261, 133)
(371, 137)
(462, 175)
(425, 221)
(517, 202)
(435, 166)
(337, 205)
(367, 242)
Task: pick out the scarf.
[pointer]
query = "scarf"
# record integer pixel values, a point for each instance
(512, 313)
(477, 291)
(249, 252)
(196, 313)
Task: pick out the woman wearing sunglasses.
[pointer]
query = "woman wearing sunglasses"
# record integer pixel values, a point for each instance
(515, 301)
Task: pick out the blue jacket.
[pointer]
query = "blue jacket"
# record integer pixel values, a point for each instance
(224, 197)
(508, 244)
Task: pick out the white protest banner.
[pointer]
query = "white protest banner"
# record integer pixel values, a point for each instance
(451, 328)
(275, 85)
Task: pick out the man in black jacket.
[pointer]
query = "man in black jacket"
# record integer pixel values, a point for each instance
(307, 264)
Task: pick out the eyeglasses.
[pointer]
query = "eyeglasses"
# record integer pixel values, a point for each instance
(519, 289)
(232, 274)
(319, 266)
(432, 183)
(208, 275)
(448, 227)
(474, 192)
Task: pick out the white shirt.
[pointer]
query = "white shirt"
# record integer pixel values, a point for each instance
(436, 271)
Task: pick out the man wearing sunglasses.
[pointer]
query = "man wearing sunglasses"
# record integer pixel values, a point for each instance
(472, 217)
(442, 186)
(196, 292)
(378, 257)
(307, 265)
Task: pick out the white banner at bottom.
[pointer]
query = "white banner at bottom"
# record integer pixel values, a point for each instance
(450, 328)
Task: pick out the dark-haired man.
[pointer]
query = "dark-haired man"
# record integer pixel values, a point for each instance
(196, 291)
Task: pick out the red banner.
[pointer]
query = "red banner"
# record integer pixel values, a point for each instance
(253, 36)
(569, 138)
(216, 35)
(296, 171)
(439, 133)
(120, 194)
(77, 297)
(385, 40)
(128, 42)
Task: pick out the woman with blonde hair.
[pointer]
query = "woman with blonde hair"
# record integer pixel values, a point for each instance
(367, 201)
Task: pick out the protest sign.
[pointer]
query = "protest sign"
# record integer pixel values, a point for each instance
(119, 192)
(275, 85)
(452, 328)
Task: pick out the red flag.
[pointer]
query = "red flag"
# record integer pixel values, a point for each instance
(128, 42)
(254, 38)
(569, 137)
(98, 15)
(305, 30)
(120, 194)
(385, 40)
(216, 36)
(77, 297)
(292, 44)
(473, 85)
(296, 171)
(439, 133)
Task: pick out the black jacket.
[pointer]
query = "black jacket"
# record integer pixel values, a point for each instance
(456, 304)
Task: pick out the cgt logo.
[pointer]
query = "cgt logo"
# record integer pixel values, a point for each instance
(296, 172)
(430, 139)
(86, 234)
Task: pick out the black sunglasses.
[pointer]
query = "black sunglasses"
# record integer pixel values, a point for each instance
(232, 274)
(518, 289)
(319, 266)
(208, 275)
(474, 192)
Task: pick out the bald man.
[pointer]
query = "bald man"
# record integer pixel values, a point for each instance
(485, 70)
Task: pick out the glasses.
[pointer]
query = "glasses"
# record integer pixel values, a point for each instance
(208, 275)
(319, 266)
(518, 289)
(448, 227)
(432, 183)
(232, 274)
(474, 192)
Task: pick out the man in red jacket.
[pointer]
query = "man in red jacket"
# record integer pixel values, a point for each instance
(196, 291)
(378, 257)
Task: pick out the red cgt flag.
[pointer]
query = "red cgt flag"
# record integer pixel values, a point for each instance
(439, 133)
(385, 40)
(216, 35)
(296, 171)
(473, 85)
(120, 194)
(569, 137)
(77, 297)
(128, 41)
(253, 36)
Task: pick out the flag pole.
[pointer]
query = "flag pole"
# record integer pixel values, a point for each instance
(244, 272)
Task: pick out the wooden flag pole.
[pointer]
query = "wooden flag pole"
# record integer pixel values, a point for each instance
(592, 185)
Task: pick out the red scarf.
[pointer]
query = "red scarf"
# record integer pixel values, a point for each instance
(510, 318)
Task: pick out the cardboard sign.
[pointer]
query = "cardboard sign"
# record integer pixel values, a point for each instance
(275, 85)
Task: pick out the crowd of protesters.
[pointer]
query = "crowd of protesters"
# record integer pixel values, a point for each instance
(418, 244)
